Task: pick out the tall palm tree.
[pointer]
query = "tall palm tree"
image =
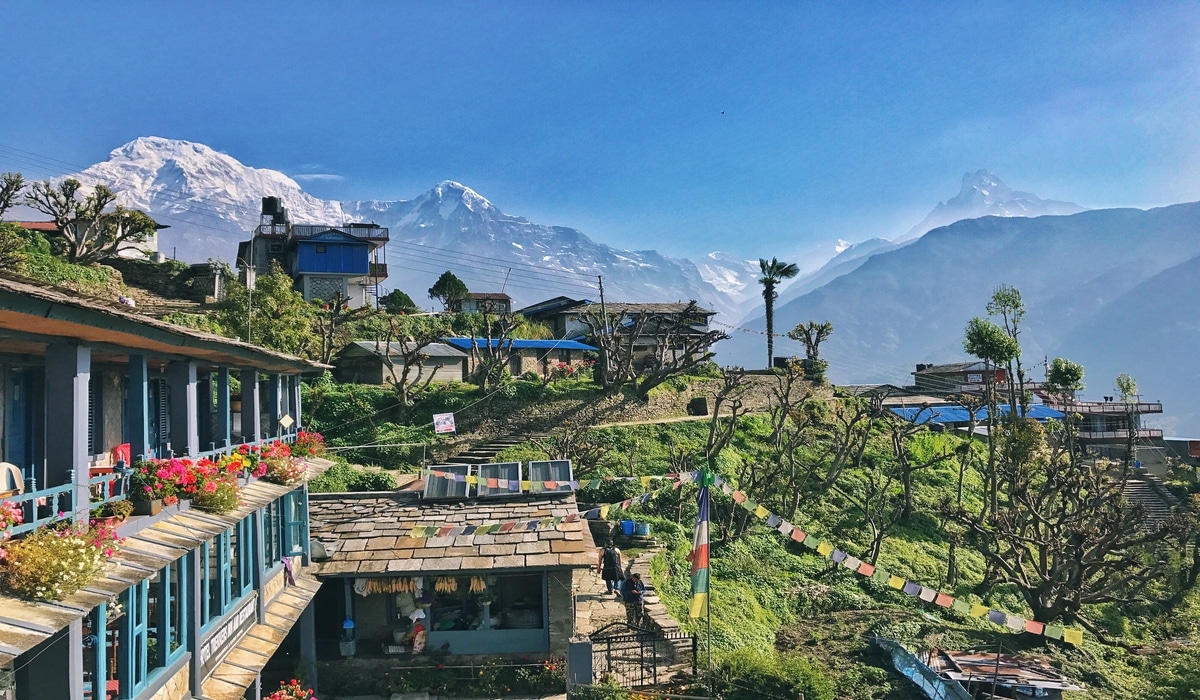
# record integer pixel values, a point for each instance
(773, 272)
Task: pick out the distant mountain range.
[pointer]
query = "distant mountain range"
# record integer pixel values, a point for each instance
(211, 201)
(1115, 289)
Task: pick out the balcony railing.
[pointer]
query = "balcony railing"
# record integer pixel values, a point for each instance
(1119, 434)
(378, 271)
(1107, 407)
(49, 505)
(366, 232)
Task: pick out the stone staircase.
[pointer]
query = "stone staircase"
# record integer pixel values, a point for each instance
(660, 619)
(485, 453)
(1149, 492)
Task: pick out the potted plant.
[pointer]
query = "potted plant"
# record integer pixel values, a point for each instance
(279, 467)
(112, 513)
(308, 444)
(215, 485)
(154, 483)
(53, 562)
(292, 690)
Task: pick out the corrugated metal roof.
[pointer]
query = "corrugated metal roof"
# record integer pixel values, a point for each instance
(395, 349)
(465, 344)
(958, 414)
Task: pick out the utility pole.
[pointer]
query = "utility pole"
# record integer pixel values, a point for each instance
(604, 316)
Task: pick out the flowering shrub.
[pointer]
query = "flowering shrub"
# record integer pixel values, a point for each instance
(216, 486)
(154, 479)
(10, 515)
(292, 690)
(54, 562)
(308, 444)
(212, 485)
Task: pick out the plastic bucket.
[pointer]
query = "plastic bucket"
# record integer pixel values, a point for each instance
(643, 529)
(627, 527)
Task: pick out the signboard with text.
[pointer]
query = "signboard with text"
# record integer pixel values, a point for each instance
(443, 423)
(227, 634)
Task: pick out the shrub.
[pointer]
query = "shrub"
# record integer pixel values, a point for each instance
(292, 690)
(54, 562)
(308, 444)
(371, 480)
(217, 494)
(749, 674)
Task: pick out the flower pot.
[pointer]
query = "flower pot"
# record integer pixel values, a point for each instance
(111, 521)
(147, 507)
(235, 406)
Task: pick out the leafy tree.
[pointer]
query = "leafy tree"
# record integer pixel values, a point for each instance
(274, 315)
(812, 334)
(12, 246)
(11, 185)
(1064, 378)
(1126, 387)
(89, 232)
(448, 289)
(773, 272)
(397, 302)
(1006, 303)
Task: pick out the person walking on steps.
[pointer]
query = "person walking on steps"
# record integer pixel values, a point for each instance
(634, 594)
(608, 565)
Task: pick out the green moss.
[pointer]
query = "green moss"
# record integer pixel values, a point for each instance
(89, 279)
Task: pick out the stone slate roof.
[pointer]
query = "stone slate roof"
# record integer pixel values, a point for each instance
(397, 349)
(367, 534)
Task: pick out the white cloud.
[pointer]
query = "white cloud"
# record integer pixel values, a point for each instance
(321, 177)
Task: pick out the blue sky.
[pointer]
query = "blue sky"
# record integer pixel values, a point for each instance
(686, 126)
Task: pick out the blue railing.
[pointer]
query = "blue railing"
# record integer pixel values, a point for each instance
(43, 507)
(109, 487)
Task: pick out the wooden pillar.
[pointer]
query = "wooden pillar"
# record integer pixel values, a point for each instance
(296, 402)
(68, 375)
(251, 418)
(224, 430)
(192, 569)
(308, 644)
(185, 424)
(137, 407)
(205, 391)
(274, 404)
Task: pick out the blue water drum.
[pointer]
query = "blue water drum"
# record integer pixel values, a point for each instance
(627, 527)
(643, 529)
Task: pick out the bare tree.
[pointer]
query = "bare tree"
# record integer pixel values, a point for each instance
(730, 395)
(578, 443)
(812, 334)
(492, 348)
(90, 232)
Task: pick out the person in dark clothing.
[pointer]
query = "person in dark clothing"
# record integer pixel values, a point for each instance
(634, 593)
(608, 565)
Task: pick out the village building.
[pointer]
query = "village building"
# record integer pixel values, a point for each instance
(958, 377)
(325, 261)
(655, 322)
(504, 592)
(370, 362)
(538, 356)
(194, 603)
(483, 302)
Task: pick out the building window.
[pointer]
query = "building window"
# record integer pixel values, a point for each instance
(241, 548)
(272, 535)
(225, 572)
(320, 249)
(295, 520)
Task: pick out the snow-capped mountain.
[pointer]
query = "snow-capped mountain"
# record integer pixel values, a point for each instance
(984, 194)
(211, 201)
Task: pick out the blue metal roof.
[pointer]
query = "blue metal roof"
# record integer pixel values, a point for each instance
(465, 344)
(958, 414)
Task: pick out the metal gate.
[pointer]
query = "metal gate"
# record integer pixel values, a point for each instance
(636, 657)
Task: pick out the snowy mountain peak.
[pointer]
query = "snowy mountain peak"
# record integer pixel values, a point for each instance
(449, 191)
(984, 194)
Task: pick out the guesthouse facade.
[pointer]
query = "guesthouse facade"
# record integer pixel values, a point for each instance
(192, 603)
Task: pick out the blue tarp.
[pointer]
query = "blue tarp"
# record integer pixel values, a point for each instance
(465, 344)
(958, 414)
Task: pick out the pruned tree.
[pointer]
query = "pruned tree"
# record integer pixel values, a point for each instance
(789, 391)
(1006, 303)
(401, 343)
(902, 432)
(677, 343)
(492, 348)
(90, 232)
(448, 289)
(773, 272)
(880, 499)
(578, 443)
(11, 186)
(1063, 534)
(729, 396)
(812, 334)
(333, 323)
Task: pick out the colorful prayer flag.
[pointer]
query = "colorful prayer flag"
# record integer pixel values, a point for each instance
(1034, 627)
(699, 557)
(978, 610)
(798, 535)
(761, 512)
(1072, 636)
(824, 549)
(866, 568)
(896, 582)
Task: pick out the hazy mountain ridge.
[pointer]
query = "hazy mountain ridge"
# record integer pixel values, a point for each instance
(911, 304)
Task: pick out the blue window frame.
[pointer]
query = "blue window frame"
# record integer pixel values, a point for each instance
(226, 565)
(242, 551)
(272, 529)
(133, 651)
(295, 518)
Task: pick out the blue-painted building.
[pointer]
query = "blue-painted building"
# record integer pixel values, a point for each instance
(325, 261)
(194, 603)
(538, 356)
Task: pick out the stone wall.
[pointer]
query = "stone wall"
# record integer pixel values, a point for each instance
(176, 688)
(561, 585)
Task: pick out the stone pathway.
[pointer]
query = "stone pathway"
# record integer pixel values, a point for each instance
(594, 608)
